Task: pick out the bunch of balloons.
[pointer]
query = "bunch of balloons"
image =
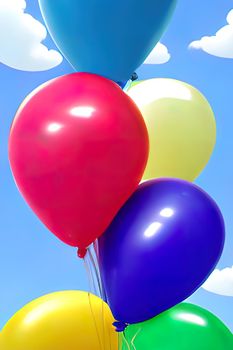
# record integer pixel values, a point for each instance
(79, 147)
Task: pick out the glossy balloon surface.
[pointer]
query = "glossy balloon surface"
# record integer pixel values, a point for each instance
(183, 327)
(162, 245)
(65, 320)
(181, 127)
(109, 38)
(78, 147)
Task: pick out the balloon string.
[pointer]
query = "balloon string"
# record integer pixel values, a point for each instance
(110, 338)
(131, 80)
(134, 337)
(125, 340)
(95, 264)
(89, 275)
(91, 264)
(92, 286)
(127, 86)
(96, 272)
(119, 342)
(95, 324)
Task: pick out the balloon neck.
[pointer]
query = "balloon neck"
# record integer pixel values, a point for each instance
(120, 326)
(82, 252)
(134, 76)
(124, 84)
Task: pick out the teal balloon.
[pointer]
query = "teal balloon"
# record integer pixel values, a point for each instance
(184, 327)
(107, 37)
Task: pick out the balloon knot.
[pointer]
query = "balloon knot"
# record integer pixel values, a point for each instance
(120, 326)
(134, 76)
(82, 252)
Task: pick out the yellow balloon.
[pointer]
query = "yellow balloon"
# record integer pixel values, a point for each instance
(70, 320)
(181, 126)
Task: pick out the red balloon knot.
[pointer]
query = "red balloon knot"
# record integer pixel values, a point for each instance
(82, 252)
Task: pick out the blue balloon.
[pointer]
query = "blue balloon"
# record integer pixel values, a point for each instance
(162, 245)
(107, 37)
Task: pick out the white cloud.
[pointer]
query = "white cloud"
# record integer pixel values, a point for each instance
(159, 55)
(220, 282)
(21, 38)
(221, 44)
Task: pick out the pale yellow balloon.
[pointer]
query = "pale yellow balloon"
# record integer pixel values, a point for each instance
(181, 126)
(70, 320)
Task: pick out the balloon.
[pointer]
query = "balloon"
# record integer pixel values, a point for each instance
(181, 126)
(65, 320)
(78, 148)
(183, 327)
(109, 40)
(162, 245)
(134, 83)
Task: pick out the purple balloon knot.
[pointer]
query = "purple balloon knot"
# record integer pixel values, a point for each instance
(120, 326)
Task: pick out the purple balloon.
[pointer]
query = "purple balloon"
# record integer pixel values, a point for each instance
(162, 245)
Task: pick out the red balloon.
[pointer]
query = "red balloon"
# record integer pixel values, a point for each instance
(78, 148)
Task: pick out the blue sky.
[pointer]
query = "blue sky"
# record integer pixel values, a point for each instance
(32, 261)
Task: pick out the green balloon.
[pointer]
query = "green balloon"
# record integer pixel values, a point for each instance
(184, 327)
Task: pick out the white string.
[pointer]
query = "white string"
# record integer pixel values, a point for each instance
(134, 337)
(95, 283)
(126, 341)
